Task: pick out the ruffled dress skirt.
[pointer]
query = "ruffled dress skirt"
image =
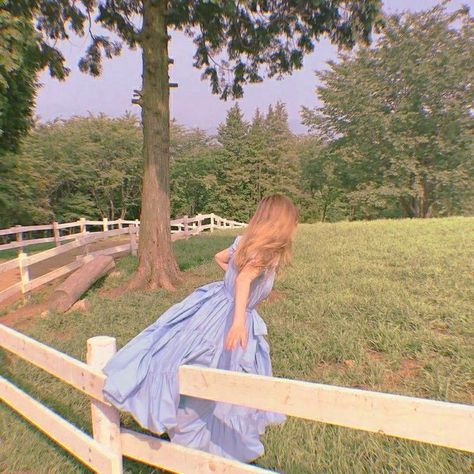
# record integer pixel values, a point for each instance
(142, 378)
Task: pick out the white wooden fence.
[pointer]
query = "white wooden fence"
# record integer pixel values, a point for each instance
(180, 228)
(429, 421)
(15, 235)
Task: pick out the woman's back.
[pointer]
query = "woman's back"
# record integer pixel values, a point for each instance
(260, 287)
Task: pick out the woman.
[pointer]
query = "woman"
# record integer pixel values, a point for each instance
(216, 326)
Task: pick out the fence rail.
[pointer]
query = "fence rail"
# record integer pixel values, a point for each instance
(435, 422)
(180, 228)
(16, 238)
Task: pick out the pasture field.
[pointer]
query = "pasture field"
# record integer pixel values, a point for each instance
(381, 305)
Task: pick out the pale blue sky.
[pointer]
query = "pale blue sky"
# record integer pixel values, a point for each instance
(192, 103)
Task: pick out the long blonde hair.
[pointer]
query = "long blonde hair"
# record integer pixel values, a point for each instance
(267, 239)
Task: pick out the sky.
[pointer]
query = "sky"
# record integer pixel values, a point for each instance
(192, 103)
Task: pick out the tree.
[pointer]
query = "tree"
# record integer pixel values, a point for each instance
(250, 37)
(281, 161)
(82, 167)
(400, 116)
(321, 176)
(194, 186)
(19, 62)
(235, 172)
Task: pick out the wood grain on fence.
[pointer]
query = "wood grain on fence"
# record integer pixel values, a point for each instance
(92, 453)
(430, 421)
(173, 457)
(64, 367)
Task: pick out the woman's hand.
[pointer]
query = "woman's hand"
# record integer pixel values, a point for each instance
(237, 335)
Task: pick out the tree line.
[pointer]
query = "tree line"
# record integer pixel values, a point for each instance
(393, 137)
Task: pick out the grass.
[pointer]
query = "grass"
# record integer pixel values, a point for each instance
(382, 305)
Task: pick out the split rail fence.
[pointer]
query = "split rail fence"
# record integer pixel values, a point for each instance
(429, 421)
(89, 232)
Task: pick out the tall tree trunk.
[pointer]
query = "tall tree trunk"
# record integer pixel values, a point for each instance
(325, 208)
(157, 265)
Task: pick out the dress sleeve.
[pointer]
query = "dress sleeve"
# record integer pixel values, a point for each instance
(233, 247)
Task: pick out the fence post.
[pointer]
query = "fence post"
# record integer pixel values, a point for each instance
(199, 223)
(105, 418)
(24, 271)
(56, 235)
(186, 226)
(137, 225)
(105, 225)
(83, 225)
(212, 222)
(19, 236)
(132, 230)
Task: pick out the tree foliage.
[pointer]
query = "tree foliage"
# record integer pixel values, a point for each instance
(19, 63)
(398, 116)
(236, 42)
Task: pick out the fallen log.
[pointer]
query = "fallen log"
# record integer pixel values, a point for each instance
(66, 294)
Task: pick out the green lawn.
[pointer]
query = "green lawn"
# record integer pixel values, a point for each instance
(382, 305)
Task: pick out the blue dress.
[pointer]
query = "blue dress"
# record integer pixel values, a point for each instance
(142, 377)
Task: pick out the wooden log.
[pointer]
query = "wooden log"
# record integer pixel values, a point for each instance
(105, 418)
(66, 294)
(79, 444)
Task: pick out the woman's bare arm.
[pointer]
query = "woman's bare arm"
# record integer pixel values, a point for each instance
(222, 258)
(238, 331)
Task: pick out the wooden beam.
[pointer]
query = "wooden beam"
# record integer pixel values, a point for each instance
(76, 442)
(9, 265)
(62, 366)
(53, 275)
(429, 421)
(173, 457)
(25, 243)
(68, 225)
(40, 256)
(105, 418)
(14, 290)
(56, 234)
(116, 251)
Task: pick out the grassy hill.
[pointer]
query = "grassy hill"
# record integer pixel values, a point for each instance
(382, 305)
